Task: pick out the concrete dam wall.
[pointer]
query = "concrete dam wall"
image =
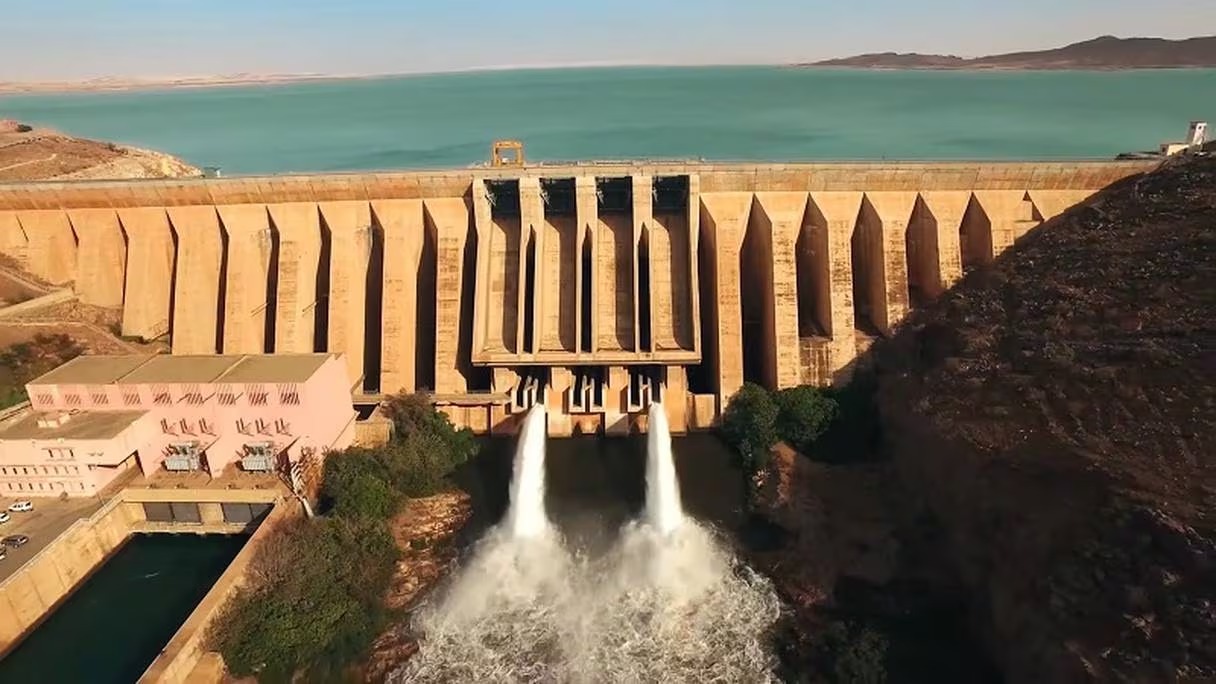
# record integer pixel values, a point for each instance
(594, 288)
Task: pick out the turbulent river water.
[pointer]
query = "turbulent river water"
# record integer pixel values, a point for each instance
(665, 601)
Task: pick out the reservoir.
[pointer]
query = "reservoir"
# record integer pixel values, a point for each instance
(112, 628)
(719, 113)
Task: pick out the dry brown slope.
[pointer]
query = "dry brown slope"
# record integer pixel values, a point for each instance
(40, 154)
(1058, 413)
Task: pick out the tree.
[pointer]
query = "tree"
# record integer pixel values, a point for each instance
(415, 414)
(313, 604)
(803, 415)
(749, 424)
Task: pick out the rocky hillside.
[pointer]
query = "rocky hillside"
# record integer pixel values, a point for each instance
(28, 154)
(1106, 52)
(1057, 413)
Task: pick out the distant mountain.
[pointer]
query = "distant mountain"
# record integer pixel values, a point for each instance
(1107, 52)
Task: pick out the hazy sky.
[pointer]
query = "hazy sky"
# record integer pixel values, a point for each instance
(75, 39)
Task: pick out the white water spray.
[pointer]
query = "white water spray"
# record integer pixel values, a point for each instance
(667, 603)
(663, 509)
(526, 515)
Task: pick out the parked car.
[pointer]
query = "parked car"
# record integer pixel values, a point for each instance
(22, 507)
(15, 540)
(4, 517)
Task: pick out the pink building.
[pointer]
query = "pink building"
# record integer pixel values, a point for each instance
(96, 417)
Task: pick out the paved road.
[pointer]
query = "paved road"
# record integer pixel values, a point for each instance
(47, 521)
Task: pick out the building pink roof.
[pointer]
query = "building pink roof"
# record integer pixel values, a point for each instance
(79, 425)
(148, 369)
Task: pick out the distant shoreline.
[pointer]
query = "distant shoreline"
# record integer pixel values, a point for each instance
(126, 85)
(118, 85)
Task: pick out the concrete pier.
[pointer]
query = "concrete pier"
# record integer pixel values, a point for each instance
(298, 225)
(197, 324)
(404, 238)
(349, 225)
(149, 288)
(101, 256)
(247, 234)
(50, 246)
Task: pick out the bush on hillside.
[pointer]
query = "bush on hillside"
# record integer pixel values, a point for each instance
(314, 601)
(356, 484)
(25, 361)
(414, 414)
(421, 463)
(749, 424)
(853, 655)
(803, 415)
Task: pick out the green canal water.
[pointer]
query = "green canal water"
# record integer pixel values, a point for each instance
(113, 627)
(718, 113)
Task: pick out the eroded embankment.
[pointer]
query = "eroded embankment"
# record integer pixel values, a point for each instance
(1057, 412)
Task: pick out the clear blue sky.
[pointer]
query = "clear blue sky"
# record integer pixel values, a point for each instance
(75, 39)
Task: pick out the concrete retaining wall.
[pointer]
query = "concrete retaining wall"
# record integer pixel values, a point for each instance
(50, 299)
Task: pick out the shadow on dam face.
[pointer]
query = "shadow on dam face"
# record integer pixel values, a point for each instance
(595, 485)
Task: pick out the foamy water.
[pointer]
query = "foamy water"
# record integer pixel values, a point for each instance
(668, 602)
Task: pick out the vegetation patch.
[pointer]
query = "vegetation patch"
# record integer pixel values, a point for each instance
(25, 361)
(315, 596)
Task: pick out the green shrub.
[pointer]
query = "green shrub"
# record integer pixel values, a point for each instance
(863, 660)
(419, 464)
(313, 602)
(414, 414)
(803, 415)
(356, 484)
(749, 424)
(25, 361)
(850, 654)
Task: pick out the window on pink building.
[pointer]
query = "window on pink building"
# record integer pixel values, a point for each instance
(289, 395)
(130, 396)
(228, 396)
(258, 396)
(44, 399)
(161, 396)
(100, 397)
(194, 395)
(72, 399)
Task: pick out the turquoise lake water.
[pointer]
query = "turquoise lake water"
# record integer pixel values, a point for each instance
(720, 113)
